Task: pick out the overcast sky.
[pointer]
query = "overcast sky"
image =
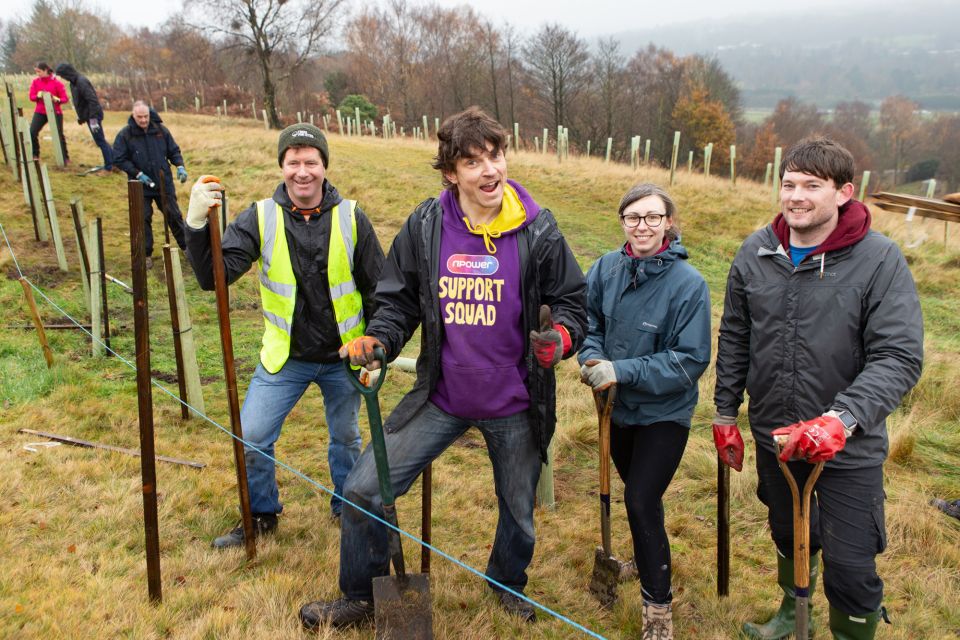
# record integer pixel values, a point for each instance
(590, 18)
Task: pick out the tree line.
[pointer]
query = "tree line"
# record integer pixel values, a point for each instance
(410, 60)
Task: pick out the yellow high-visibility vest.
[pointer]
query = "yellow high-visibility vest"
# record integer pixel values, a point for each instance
(278, 286)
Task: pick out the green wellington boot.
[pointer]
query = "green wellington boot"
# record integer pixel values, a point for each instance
(784, 623)
(847, 627)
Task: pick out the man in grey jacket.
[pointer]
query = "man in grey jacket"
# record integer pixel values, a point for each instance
(822, 328)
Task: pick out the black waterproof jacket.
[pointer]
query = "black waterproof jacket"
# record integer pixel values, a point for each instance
(85, 100)
(842, 331)
(407, 297)
(151, 151)
(314, 337)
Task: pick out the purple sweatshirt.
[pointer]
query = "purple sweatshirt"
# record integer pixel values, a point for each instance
(482, 368)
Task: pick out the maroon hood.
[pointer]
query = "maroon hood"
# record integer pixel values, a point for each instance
(852, 225)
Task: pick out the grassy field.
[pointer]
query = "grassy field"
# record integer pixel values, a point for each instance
(71, 537)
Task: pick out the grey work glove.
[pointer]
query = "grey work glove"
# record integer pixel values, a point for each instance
(206, 192)
(599, 374)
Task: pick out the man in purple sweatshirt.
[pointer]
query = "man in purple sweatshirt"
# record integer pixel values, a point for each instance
(472, 267)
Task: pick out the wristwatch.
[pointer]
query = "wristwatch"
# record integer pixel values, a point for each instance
(846, 419)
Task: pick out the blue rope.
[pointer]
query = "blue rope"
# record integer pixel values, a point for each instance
(299, 473)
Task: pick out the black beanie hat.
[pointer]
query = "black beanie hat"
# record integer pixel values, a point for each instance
(303, 134)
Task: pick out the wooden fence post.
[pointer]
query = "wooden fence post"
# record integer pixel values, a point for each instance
(79, 228)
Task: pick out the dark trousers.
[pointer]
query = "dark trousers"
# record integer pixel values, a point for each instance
(846, 523)
(37, 123)
(646, 459)
(172, 217)
(96, 131)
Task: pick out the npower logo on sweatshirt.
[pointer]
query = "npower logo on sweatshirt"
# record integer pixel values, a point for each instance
(471, 265)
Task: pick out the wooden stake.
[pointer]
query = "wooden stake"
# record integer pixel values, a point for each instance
(30, 187)
(77, 442)
(230, 376)
(175, 327)
(35, 315)
(141, 320)
(76, 210)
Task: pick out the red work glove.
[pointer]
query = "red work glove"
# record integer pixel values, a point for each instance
(551, 342)
(360, 352)
(816, 440)
(728, 441)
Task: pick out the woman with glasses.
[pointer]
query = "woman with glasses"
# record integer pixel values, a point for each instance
(649, 334)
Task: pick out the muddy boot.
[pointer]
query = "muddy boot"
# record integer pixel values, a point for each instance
(784, 623)
(847, 627)
(657, 621)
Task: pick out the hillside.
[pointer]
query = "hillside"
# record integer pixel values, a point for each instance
(854, 52)
(71, 534)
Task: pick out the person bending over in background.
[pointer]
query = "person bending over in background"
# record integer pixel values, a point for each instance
(319, 260)
(822, 328)
(89, 111)
(649, 334)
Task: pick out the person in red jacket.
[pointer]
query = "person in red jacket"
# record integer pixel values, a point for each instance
(45, 82)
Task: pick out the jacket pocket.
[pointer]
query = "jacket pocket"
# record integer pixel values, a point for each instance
(879, 523)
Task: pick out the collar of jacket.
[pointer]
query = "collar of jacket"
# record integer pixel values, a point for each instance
(640, 270)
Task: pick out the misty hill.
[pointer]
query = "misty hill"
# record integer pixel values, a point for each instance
(828, 55)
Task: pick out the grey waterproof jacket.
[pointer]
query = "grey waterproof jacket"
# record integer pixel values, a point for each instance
(842, 331)
(651, 318)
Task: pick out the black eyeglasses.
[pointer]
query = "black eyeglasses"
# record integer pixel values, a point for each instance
(632, 220)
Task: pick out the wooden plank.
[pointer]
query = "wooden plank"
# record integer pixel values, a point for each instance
(931, 204)
(77, 442)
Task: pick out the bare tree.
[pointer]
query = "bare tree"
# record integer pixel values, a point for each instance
(63, 31)
(899, 126)
(558, 64)
(280, 35)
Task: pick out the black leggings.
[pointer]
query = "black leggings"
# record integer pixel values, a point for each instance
(38, 122)
(646, 459)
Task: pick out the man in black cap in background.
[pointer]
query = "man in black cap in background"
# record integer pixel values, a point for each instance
(319, 261)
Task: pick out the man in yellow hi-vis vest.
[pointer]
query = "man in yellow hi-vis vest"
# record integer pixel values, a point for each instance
(318, 259)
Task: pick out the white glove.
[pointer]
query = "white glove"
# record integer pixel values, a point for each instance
(599, 374)
(206, 192)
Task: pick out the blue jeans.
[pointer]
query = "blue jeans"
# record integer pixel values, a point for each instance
(269, 400)
(96, 130)
(515, 456)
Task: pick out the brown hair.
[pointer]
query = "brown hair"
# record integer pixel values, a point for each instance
(43, 66)
(821, 157)
(462, 135)
(645, 189)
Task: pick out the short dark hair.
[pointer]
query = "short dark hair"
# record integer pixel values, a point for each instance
(463, 134)
(821, 157)
(43, 66)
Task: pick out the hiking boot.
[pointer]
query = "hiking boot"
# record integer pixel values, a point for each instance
(949, 508)
(263, 523)
(342, 612)
(657, 621)
(784, 622)
(517, 607)
(847, 627)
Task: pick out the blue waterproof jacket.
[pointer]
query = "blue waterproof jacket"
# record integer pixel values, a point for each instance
(651, 318)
